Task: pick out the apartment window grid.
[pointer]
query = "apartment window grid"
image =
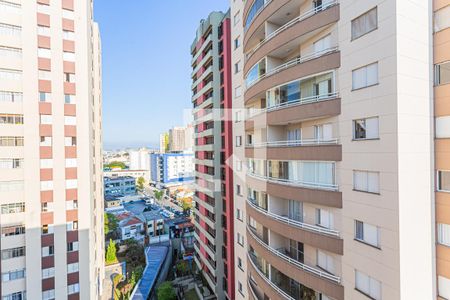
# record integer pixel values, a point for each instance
(11, 119)
(11, 163)
(48, 251)
(13, 253)
(44, 30)
(44, 97)
(73, 288)
(6, 96)
(16, 296)
(48, 295)
(10, 52)
(442, 73)
(10, 30)
(9, 7)
(13, 275)
(13, 208)
(367, 233)
(11, 186)
(365, 76)
(364, 24)
(9, 74)
(13, 230)
(441, 22)
(47, 207)
(48, 273)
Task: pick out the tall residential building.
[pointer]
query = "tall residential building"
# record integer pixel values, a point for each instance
(164, 142)
(140, 160)
(177, 136)
(51, 183)
(172, 168)
(441, 58)
(338, 147)
(211, 88)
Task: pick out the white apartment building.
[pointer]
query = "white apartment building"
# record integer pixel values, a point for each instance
(51, 183)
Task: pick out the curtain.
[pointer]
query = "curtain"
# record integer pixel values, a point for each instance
(371, 234)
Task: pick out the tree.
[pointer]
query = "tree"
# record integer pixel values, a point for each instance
(111, 223)
(140, 183)
(158, 194)
(185, 205)
(111, 253)
(134, 254)
(166, 291)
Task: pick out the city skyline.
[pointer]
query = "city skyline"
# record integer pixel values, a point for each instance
(144, 87)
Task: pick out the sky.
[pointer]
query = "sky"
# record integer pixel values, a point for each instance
(146, 66)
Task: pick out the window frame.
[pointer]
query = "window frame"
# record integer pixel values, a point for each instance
(352, 38)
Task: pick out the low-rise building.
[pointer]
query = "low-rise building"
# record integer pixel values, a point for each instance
(128, 173)
(131, 226)
(154, 223)
(112, 203)
(119, 186)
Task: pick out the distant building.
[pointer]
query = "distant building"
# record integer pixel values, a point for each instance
(172, 168)
(130, 226)
(128, 173)
(140, 160)
(112, 203)
(119, 186)
(154, 223)
(164, 142)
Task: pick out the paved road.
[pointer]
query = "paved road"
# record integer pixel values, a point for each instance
(165, 201)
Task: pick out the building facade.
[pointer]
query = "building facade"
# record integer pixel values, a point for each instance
(119, 186)
(441, 57)
(51, 189)
(172, 168)
(140, 160)
(338, 132)
(211, 89)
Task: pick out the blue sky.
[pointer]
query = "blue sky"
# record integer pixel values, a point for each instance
(146, 65)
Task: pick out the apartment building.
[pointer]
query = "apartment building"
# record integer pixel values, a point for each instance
(51, 189)
(334, 180)
(441, 57)
(181, 139)
(214, 212)
(172, 168)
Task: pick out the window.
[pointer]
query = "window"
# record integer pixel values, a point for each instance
(13, 275)
(10, 96)
(71, 184)
(67, 14)
(366, 129)
(71, 204)
(12, 208)
(444, 234)
(238, 190)
(325, 261)
(72, 246)
(70, 120)
(46, 163)
(13, 230)
(47, 229)
(442, 19)
(69, 77)
(238, 91)
(240, 287)
(238, 165)
(237, 43)
(322, 44)
(70, 141)
(237, 116)
(364, 23)
(239, 214)
(15, 296)
(70, 226)
(13, 253)
(324, 218)
(365, 181)
(11, 186)
(442, 73)
(443, 181)
(10, 52)
(44, 53)
(444, 287)
(365, 76)
(240, 239)
(69, 56)
(46, 119)
(443, 127)
(48, 295)
(68, 35)
(48, 251)
(44, 75)
(43, 8)
(44, 30)
(237, 67)
(71, 162)
(69, 99)
(47, 206)
(367, 233)
(73, 288)
(10, 74)
(236, 18)
(44, 97)
(11, 163)
(238, 141)
(9, 7)
(72, 268)
(46, 185)
(367, 285)
(46, 141)
(47, 273)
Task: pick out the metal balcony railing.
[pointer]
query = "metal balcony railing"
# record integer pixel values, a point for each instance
(299, 183)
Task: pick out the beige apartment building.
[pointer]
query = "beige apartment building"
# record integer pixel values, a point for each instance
(334, 149)
(51, 183)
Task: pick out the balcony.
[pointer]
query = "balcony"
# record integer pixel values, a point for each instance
(206, 147)
(204, 162)
(207, 102)
(210, 264)
(203, 76)
(209, 205)
(306, 149)
(205, 176)
(295, 111)
(205, 59)
(204, 89)
(327, 195)
(297, 29)
(312, 277)
(206, 42)
(316, 236)
(207, 132)
(304, 66)
(204, 218)
(206, 233)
